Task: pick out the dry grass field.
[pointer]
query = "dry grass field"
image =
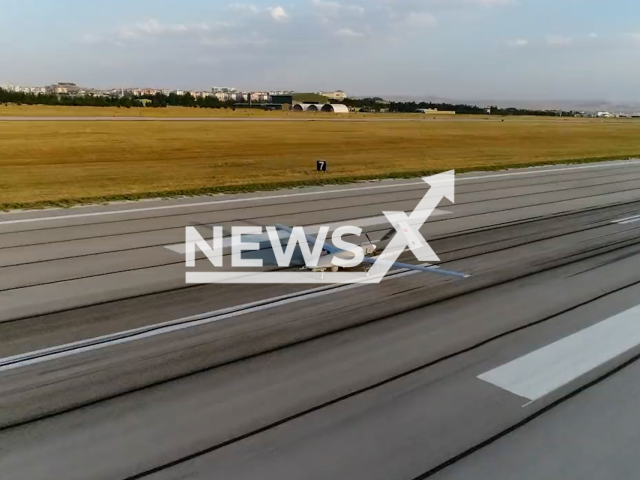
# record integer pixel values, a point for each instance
(174, 112)
(61, 163)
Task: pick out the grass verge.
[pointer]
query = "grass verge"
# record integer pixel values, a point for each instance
(265, 187)
(49, 163)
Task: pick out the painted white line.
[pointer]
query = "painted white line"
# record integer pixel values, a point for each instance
(128, 336)
(531, 171)
(624, 221)
(366, 222)
(549, 368)
(181, 249)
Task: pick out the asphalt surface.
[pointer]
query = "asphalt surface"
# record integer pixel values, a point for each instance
(111, 367)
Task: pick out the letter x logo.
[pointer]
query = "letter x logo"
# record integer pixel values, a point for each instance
(408, 226)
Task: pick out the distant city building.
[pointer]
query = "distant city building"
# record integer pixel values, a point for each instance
(259, 97)
(228, 90)
(281, 92)
(142, 92)
(65, 88)
(338, 95)
(19, 89)
(223, 94)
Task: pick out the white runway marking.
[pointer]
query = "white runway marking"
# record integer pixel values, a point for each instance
(303, 194)
(311, 230)
(625, 221)
(549, 368)
(70, 349)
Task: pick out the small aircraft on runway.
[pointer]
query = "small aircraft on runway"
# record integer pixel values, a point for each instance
(329, 252)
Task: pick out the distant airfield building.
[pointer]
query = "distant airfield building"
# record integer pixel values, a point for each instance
(318, 107)
(64, 88)
(292, 99)
(434, 111)
(304, 107)
(335, 108)
(338, 95)
(307, 102)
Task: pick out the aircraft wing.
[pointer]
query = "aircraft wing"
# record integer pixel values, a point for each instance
(418, 268)
(372, 260)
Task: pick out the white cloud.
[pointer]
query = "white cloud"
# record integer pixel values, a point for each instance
(417, 14)
(518, 42)
(155, 28)
(558, 40)
(151, 29)
(336, 9)
(420, 19)
(226, 42)
(593, 35)
(278, 14)
(244, 7)
(348, 33)
(90, 39)
(416, 5)
(492, 3)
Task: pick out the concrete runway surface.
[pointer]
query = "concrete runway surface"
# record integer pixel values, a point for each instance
(111, 367)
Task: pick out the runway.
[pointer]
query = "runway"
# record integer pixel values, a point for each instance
(111, 367)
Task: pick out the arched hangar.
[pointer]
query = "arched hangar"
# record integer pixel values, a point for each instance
(335, 108)
(316, 107)
(307, 107)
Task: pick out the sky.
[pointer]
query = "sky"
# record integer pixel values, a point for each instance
(456, 49)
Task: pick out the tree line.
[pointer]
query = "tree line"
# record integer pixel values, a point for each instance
(160, 100)
(127, 101)
(378, 104)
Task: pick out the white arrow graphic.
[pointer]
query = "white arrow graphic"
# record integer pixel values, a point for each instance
(407, 235)
(408, 226)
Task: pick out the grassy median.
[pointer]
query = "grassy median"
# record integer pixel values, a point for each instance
(66, 163)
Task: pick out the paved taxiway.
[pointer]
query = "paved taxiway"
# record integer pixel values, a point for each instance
(112, 368)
